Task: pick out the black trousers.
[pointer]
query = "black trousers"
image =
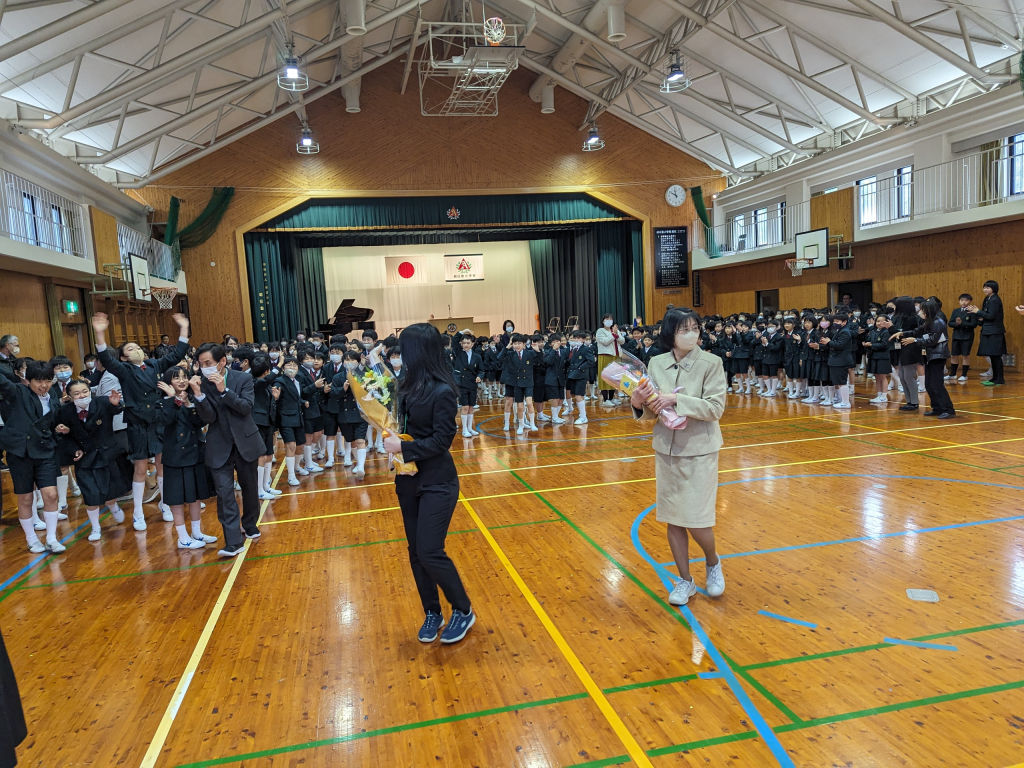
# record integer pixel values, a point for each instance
(997, 369)
(936, 387)
(227, 504)
(427, 512)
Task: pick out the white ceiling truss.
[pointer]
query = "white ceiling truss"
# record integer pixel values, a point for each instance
(139, 88)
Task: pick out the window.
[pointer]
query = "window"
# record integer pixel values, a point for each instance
(868, 193)
(760, 220)
(1015, 151)
(904, 177)
(57, 224)
(28, 207)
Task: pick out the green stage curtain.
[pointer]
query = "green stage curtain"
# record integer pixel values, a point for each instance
(614, 272)
(272, 292)
(412, 212)
(637, 244)
(309, 276)
(554, 279)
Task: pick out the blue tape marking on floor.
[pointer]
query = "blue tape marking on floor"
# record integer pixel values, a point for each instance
(780, 617)
(33, 563)
(918, 644)
(523, 439)
(710, 675)
(872, 537)
(756, 718)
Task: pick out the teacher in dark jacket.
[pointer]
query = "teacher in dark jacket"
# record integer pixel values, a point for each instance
(993, 332)
(224, 400)
(428, 402)
(931, 335)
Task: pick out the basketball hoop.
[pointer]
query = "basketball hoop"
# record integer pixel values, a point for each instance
(164, 296)
(494, 30)
(796, 266)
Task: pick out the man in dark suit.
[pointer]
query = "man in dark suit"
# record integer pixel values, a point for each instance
(224, 400)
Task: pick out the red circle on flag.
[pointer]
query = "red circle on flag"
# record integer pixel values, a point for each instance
(406, 270)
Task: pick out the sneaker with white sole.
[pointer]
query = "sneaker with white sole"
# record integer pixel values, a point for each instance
(264, 496)
(465, 433)
(581, 420)
(682, 592)
(139, 522)
(231, 552)
(558, 420)
(55, 547)
(94, 536)
(315, 468)
(715, 583)
(117, 513)
(36, 547)
(543, 417)
(810, 400)
(205, 537)
(458, 626)
(473, 431)
(39, 525)
(843, 406)
(520, 430)
(301, 471)
(165, 511)
(76, 491)
(962, 380)
(431, 627)
(191, 544)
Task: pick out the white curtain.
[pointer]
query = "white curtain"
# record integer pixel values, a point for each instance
(506, 292)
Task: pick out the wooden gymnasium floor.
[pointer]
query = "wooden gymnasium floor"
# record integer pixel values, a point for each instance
(304, 652)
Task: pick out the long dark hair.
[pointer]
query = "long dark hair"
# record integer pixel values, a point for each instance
(931, 309)
(423, 364)
(905, 318)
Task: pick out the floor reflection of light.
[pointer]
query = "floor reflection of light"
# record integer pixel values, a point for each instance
(347, 614)
(613, 575)
(1017, 577)
(873, 516)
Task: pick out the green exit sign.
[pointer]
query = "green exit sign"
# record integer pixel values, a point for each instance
(71, 307)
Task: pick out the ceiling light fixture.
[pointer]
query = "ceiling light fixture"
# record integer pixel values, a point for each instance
(676, 78)
(292, 76)
(593, 142)
(307, 144)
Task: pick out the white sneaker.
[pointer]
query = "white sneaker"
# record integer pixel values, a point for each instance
(36, 548)
(205, 537)
(810, 400)
(329, 464)
(465, 433)
(607, 404)
(920, 388)
(293, 481)
(843, 406)
(532, 427)
(947, 377)
(890, 387)
(264, 496)
(237, 486)
(358, 474)
(520, 430)
(39, 525)
(682, 592)
(476, 407)
(55, 546)
(581, 420)
(301, 471)
(962, 380)
(505, 428)
(558, 420)
(543, 417)
(139, 522)
(315, 468)
(117, 513)
(94, 536)
(715, 583)
(76, 491)
(191, 544)
(985, 375)
(769, 394)
(167, 514)
(473, 432)
(793, 396)
(348, 463)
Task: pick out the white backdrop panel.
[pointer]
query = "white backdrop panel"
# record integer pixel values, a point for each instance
(507, 292)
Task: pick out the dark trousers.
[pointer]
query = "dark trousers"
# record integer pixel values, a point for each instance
(227, 504)
(997, 369)
(427, 512)
(936, 387)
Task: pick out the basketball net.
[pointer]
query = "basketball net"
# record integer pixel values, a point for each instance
(164, 296)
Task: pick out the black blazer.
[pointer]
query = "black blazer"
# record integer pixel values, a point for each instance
(964, 331)
(991, 314)
(348, 410)
(93, 376)
(138, 386)
(910, 354)
(518, 370)
(430, 421)
(290, 405)
(329, 403)
(264, 407)
(554, 376)
(579, 362)
(840, 349)
(27, 431)
(182, 433)
(466, 371)
(229, 415)
(773, 350)
(309, 392)
(94, 437)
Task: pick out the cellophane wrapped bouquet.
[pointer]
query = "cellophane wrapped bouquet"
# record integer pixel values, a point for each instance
(627, 374)
(374, 394)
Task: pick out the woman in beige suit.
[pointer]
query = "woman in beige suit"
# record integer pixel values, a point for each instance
(686, 460)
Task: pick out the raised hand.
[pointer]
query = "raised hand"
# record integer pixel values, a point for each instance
(196, 383)
(217, 379)
(100, 323)
(182, 322)
(275, 391)
(115, 397)
(166, 388)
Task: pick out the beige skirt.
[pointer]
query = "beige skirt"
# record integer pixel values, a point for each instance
(687, 489)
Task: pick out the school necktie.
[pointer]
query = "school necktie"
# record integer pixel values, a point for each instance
(82, 416)
(520, 355)
(143, 366)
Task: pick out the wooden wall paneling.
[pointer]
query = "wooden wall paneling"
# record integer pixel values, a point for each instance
(23, 313)
(53, 316)
(73, 345)
(104, 238)
(89, 307)
(835, 211)
(403, 152)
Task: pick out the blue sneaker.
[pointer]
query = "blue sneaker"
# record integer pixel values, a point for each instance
(458, 626)
(431, 625)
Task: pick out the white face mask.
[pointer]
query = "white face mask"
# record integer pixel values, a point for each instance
(686, 340)
(274, 356)
(351, 365)
(607, 323)
(335, 359)
(208, 371)
(90, 366)
(83, 402)
(396, 363)
(290, 372)
(856, 314)
(575, 343)
(509, 329)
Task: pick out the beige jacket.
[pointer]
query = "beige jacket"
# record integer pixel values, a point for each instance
(700, 380)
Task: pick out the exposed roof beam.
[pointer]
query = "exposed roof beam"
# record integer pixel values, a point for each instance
(928, 43)
(54, 29)
(993, 29)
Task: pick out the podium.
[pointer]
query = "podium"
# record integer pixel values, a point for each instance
(461, 324)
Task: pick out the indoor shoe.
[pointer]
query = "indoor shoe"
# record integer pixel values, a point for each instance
(139, 522)
(36, 547)
(117, 513)
(962, 380)
(293, 481)
(683, 591)
(947, 415)
(39, 525)
(231, 552)
(205, 537)
(165, 511)
(458, 626)
(55, 546)
(191, 544)
(94, 536)
(581, 420)
(715, 581)
(431, 626)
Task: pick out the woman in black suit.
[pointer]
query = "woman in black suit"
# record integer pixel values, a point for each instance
(993, 332)
(905, 321)
(428, 403)
(931, 335)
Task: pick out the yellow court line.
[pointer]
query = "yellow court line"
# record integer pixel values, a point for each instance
(630, 743)
(156, 746)
(947, 442)
(651, 479)
(651, 455)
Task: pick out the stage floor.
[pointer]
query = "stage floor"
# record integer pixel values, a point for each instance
(303, 650)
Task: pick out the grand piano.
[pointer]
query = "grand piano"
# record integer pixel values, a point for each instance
(348, 318)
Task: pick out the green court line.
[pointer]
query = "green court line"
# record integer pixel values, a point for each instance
(43, 563)
(651, 684)
(382, 731)
(728, 738)
(757, 686)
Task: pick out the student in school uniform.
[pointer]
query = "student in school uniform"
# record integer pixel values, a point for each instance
(742, 356)
(28, 437)
(592, 372)
(395, 361)
(820, 338)
(555, 358)
(540, 372)
(808, 373)
(351, 425)
(792, 346)
(187, 481)
(961, 325)
(466, 368)
(313, 420)
(92, 373)
(139, 377)
(264, 413)
(519, 367)
(329, 405)
(772, 344)
(840, 358)
(581, 357)
(291, 403)
(63, 373)
(931, 335)
(878, 361)
(489, 354)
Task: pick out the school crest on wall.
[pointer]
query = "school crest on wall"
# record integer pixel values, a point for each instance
(454, 213)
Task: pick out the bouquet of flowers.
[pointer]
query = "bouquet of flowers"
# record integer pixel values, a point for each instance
(375, 400)
(628, 374)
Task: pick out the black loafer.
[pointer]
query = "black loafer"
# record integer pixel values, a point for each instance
(932, 412)
(908, 408)
(949, 415)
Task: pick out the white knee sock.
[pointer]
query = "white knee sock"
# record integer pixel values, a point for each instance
(62, 491)
(30, 532)
(469, 420)
(51, 525)
(138, 491)
(322, 443)
(182, 533)
(307, 456)
(348, 453)
(330, 451)
(360, 459)
(920, 381)
(774, 385)
(268, 478)
(289, 461)
(465, 422)
(197, 529)
(844, 394)
(94, 518)
(583, 407)
(369, 434)
(261, 477)
(507, 415)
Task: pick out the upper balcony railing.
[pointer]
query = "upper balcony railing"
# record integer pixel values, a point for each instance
(34, 215)
(973, 181)
(755, 230)
(158, 255)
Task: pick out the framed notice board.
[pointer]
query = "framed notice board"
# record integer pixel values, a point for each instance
(671, 261)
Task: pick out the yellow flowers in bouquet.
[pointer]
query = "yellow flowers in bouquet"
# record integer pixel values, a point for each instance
(375, 401)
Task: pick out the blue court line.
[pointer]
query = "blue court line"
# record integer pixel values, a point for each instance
(33, 563)
(872, 537)
(710, 675)
(771, 615)
(523, 440)
(757, 720)
(918, 644)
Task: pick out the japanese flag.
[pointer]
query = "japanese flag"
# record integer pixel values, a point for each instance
(406, 270)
